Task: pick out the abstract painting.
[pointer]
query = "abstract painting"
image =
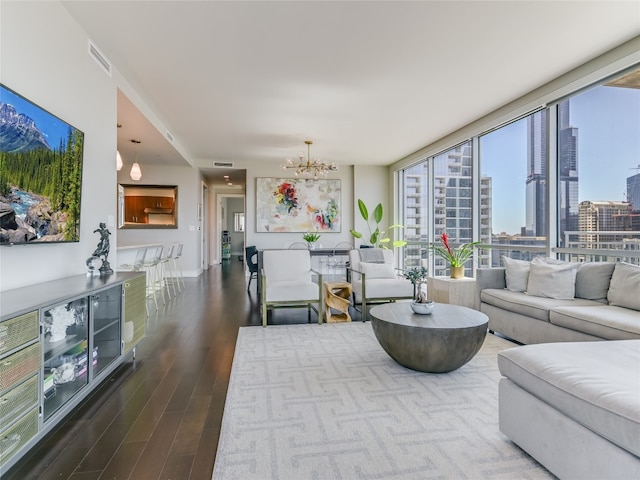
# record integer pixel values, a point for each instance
(298, 205)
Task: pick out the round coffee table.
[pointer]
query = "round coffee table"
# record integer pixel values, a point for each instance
(436, 343)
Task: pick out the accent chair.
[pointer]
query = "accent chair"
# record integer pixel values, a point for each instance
(374, 279)
(287, 282)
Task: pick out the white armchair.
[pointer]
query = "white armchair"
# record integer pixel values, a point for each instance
(286, 282)
(374, 278)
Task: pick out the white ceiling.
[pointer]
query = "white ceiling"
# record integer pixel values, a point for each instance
(368, 82)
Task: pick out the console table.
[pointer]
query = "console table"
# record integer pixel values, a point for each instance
(58, 341)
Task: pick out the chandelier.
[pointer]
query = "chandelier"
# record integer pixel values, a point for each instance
(309, 168)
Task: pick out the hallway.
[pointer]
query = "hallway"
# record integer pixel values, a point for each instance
(159, 417)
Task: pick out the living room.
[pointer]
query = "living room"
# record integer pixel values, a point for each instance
(79, 91)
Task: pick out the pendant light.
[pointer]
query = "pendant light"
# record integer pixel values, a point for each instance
(136, 173)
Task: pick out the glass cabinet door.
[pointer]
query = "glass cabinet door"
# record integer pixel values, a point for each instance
(106, 308)
(65, 351)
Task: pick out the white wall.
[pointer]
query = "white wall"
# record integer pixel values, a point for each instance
(44, 58)
(188, 181)
(372, 187)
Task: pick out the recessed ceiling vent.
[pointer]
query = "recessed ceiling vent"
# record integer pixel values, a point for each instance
(222, 164)
(170, 137)
(99, 58)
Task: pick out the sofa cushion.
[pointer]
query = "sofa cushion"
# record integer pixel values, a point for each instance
(604, 321)
(519, 302)
(624, 287)
(595, 383)
(516, 274)
(552, 280)
(592, 280)
(377, 270)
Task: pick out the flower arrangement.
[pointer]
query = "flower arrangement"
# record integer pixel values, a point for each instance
(310, 237)
(456, 257)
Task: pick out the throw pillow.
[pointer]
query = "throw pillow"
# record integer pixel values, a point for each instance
(516, 274)
(552, 280)
(624, 287)
(377, 270)
(593, 279)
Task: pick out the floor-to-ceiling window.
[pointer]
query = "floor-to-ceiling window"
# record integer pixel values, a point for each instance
(513, 165)
(453, 199)
(415, 214)
(598, 193)
(563, 179)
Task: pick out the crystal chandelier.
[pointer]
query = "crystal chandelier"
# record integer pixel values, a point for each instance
(309, 168)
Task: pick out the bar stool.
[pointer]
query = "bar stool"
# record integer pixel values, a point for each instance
(165, 269)
(150, 266)
(137, 266)
(176, 272)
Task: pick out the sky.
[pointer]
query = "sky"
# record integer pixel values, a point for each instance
(608, 123)
(51, 126)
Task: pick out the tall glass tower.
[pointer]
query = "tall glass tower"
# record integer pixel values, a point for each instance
(536, 183)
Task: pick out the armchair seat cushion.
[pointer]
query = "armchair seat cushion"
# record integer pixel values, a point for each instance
(295, 292)
(383, 288)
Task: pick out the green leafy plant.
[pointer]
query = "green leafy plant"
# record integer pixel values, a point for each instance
(418, 277)
(377, 237)
(311, 237)
(456, 257)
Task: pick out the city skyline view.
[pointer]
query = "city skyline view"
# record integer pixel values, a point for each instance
(607, 120)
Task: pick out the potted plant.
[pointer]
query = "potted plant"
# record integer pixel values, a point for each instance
(311, 238)
(377, 237)
(455, 257)
(418, 277)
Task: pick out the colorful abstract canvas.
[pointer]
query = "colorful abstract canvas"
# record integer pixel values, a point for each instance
(298, 205)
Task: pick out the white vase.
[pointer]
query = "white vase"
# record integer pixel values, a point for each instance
(422, 308)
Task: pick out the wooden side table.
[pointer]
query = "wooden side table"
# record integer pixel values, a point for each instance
(336, 295)
(455, 291)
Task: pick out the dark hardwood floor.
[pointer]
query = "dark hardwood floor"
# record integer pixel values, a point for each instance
(159, 416)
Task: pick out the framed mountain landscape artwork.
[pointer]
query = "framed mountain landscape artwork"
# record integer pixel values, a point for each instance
(298, 205)
(40, 174)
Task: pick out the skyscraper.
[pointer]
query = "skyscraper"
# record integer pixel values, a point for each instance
(536, 183)
(567, 172)
(633, 192)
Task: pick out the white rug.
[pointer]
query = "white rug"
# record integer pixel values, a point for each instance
(326, 402)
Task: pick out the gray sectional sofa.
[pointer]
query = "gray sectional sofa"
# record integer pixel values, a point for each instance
(603, 304)
(571, 400)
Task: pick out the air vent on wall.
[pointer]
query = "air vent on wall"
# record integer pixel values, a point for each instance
(99, 58)
(223, 164)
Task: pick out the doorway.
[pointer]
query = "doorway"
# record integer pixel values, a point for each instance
(230, 234)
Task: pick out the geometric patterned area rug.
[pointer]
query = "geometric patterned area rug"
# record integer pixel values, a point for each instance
(326, 402)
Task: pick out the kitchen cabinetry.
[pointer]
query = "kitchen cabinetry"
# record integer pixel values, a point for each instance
(58, 341)
(138, 208)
